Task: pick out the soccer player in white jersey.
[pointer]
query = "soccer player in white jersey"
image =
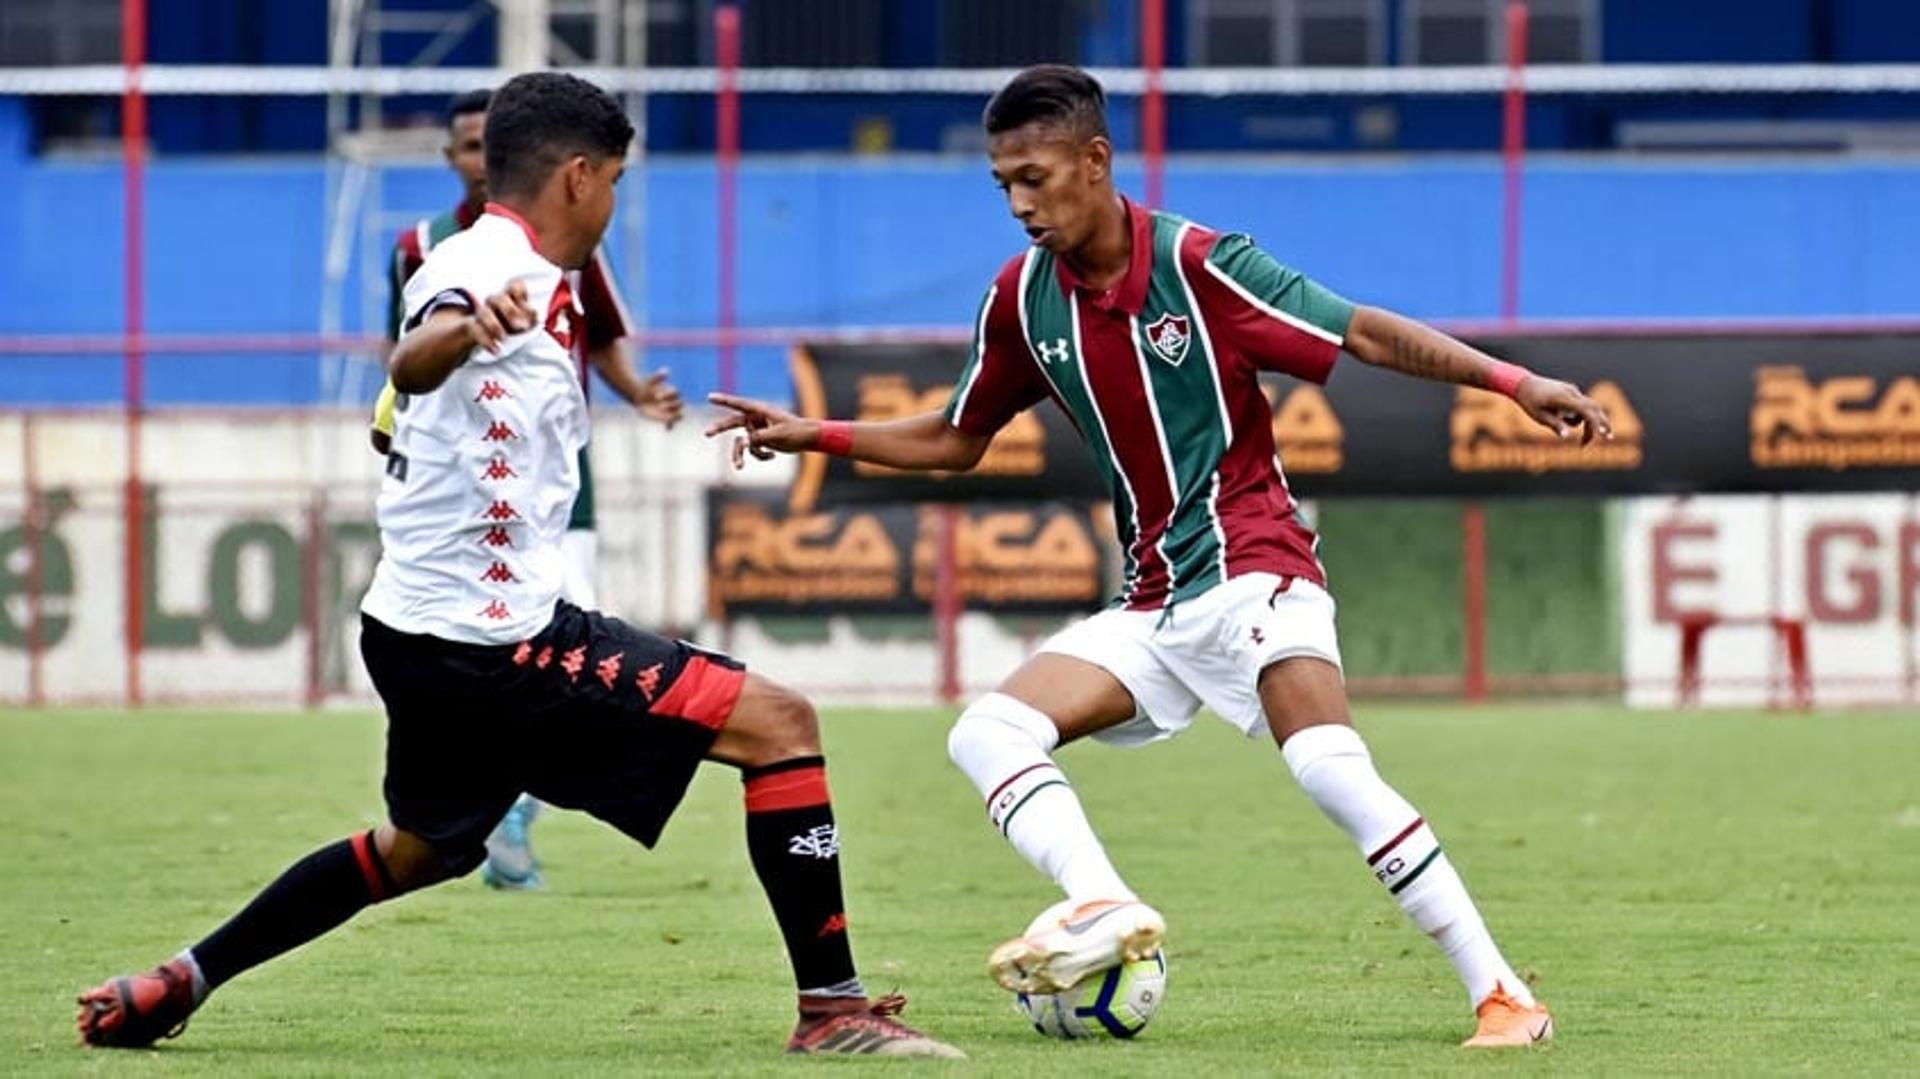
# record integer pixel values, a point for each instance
(600, 346)
(1149, 330)
(493, 683)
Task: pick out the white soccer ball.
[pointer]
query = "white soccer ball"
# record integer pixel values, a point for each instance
(1113, 1003)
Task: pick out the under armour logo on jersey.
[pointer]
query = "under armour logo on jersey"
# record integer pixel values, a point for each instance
(821, 841)
(498, 431)
(496, 611)
(608, 669)
(498, 572)
(1054, 351)
(491, 391)
(496, 537)
(501, 511)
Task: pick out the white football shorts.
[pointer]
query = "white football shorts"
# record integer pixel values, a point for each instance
(1208, 650)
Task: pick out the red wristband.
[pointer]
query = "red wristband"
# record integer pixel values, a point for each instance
(1505, 378)
(836, 437)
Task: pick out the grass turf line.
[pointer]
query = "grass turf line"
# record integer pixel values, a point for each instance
(1730, 893)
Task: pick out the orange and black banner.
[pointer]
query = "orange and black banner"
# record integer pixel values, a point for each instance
(1693, 413)
(884, 558)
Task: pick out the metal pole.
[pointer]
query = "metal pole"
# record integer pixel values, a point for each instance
(1473, 580)
(726, 27)
(1513, 158)
(133, 140)
(1153, 103)
(1473, 519)
(524, 29)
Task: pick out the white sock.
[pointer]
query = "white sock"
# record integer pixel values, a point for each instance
(200, 989)
(1002, 744)
(1334, 768)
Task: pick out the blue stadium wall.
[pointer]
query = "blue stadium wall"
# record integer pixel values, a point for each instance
(911, 34)
(237, 247)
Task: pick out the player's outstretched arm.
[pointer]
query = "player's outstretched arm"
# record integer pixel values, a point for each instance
(926, 442)
(651, 394)
(430, 351)
(1384, 339)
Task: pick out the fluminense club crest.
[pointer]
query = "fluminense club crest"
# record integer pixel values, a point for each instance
(1169, 335)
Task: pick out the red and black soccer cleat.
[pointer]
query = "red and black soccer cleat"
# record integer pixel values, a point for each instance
(135, 1010)
(859, 1026)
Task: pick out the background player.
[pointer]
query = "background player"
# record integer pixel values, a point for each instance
(602, 347)
(1149, 331)
(493, 683)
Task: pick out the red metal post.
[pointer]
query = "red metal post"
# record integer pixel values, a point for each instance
(1513, 156)
(1473, 520)
(133, 140)
(1473, 581)
(946, 603)
(726, 48)
(1153, 102)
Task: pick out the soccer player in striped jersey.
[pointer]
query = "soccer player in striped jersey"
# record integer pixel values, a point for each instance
(493, 682)
(1149, 330)
(601, 347)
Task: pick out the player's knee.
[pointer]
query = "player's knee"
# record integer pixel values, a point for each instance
(996, 720)
(413, 861)
(788, 725)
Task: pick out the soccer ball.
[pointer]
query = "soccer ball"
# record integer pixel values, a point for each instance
(1115, 1003)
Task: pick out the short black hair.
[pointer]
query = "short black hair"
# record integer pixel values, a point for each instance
(1049, 94)
(468, 103)
(540, 119)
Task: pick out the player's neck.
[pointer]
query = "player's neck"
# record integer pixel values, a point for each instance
(546, 230)
(1103, 260)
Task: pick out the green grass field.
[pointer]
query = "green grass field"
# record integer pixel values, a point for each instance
(1721, 893)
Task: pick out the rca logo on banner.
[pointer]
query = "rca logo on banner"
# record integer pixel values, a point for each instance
(1307, 431)
(1837, 423)
(805, 558)
(1491, 433)
(1040, 556)
(1020, 449)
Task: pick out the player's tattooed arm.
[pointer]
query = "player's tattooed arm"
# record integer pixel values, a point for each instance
(1396, 342)
(1384, 339)
(429, 352)
(926, 442)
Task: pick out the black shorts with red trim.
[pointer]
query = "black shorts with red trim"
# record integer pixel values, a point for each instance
(590, 714)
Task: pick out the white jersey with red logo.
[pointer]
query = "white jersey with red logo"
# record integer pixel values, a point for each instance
(483, 471)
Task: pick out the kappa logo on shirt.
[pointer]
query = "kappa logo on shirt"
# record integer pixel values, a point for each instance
(1169, 335)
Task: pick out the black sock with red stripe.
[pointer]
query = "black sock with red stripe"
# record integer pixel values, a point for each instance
(796, 853)
(315, 894)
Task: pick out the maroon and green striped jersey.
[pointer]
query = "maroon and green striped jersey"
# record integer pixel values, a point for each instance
(1160, 376)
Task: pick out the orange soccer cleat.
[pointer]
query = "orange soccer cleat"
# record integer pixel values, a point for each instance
(1505, 1022)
